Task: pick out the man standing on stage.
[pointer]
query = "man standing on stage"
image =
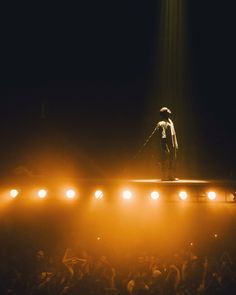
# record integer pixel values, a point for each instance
(169, 145)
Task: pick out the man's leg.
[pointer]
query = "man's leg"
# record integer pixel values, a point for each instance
(164, 164)
(172, 164)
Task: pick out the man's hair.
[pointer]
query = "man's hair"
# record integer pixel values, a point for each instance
(165, 111)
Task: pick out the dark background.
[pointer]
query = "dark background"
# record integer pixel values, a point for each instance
(75, 88)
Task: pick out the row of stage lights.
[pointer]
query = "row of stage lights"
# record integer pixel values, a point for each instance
(99, 194)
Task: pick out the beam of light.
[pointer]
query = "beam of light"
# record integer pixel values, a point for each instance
(155, 195)
(14, 193)
(172, 57)
(211, 196)
(70, 194)
(42, 193)
(171, 78)
(183, 196)
(127, 195)
(98, 194)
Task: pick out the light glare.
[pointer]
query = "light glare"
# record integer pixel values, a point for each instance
(127, 195)
(70, 194)
(183, 196)
(155, 195)
(98, 194)
(14, 193)
(211, 196)
(42, 193)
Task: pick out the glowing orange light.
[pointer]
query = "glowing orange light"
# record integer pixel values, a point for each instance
(98, 238)
(42, 193)
(14, 193)
(211, 196)
(70, 194)
(183, 196)
(191, 244)
(98, 194)
(155, 195)
(215, 236)
(127, 195)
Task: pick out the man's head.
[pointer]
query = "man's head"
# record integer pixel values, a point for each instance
(165, 112)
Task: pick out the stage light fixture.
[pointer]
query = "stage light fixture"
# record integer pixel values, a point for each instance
(127, 195)
(70, 194)
(183, 195)
(42, 193)
(211, 196)
(98, 194)
(14, 193)
(155, 195)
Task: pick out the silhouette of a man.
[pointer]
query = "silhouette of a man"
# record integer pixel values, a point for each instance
(169, 145)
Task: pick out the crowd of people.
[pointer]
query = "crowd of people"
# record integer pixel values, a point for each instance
(83, 273)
